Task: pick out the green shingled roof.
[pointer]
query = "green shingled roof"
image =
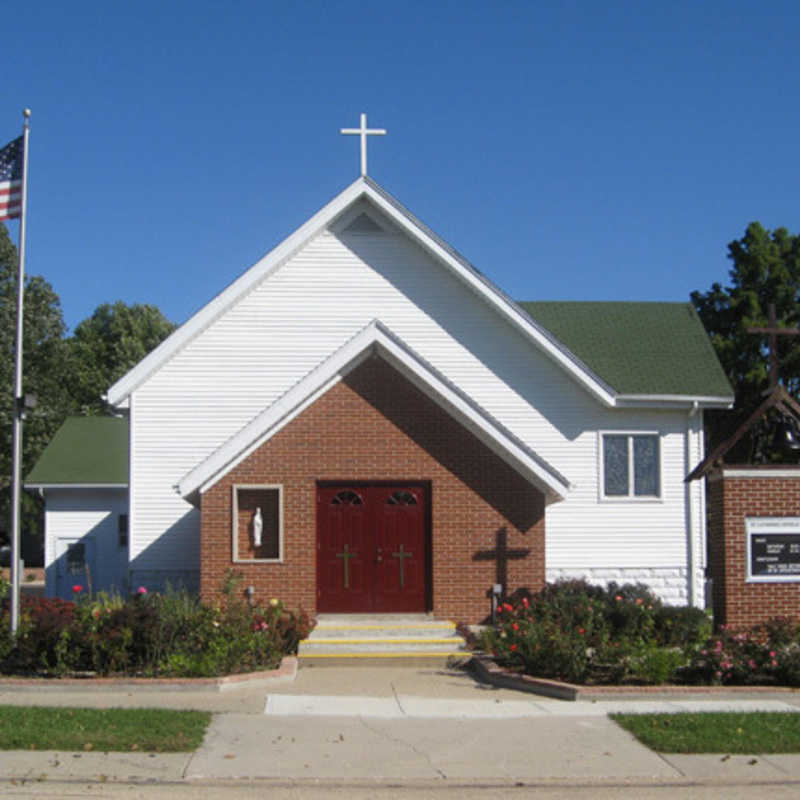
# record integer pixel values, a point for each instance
(85, 450)
(638, 348)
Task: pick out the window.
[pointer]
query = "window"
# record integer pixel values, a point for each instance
(122, 530)
(257, 523)
(347, 498)
(631, 465)
(402, 498)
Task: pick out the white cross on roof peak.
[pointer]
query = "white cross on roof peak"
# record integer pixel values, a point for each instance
(363, 132)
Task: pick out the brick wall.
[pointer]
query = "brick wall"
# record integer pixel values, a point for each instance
(375, 425)
(731, 499)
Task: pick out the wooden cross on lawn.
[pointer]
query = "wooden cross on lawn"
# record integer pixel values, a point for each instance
(502, 555)
(773, 332)
(363, 132)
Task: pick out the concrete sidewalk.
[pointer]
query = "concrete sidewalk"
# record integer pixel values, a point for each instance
(395, 724)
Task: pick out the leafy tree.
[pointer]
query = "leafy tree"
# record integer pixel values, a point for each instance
(44, 368)
(766, 269)
(109, 343)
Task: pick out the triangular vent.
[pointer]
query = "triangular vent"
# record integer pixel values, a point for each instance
(363, 223)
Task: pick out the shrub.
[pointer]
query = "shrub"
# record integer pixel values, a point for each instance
(173, 633)
(583, 633)
(734, 657)
(654, 664)
(681, 626)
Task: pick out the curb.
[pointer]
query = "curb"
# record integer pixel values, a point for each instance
(285, 673)
(490, 672)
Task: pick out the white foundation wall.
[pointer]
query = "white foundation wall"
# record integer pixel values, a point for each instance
(309, 307)
(670, 584)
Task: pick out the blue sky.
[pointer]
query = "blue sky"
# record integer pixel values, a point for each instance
(572, 150)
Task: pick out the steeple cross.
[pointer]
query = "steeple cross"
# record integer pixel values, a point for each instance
(363, 132)
(774, 331)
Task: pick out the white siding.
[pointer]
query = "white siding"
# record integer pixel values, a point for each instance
(298, 315)
(92, 516)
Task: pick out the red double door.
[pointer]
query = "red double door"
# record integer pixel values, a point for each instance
(371, 548)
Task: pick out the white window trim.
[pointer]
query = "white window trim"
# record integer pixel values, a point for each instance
(235, 518)
(630, 497)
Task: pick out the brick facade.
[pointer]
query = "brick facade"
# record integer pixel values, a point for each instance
(374, 425)
(732, 498)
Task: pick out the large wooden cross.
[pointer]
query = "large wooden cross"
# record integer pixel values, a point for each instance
(773, 331)
(363, 132)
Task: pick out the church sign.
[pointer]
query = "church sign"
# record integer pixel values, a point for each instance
(773, 548)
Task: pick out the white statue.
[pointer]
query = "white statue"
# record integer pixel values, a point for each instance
(258, 526)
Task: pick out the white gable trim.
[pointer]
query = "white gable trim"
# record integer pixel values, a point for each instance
(418, 232)
(375, 338)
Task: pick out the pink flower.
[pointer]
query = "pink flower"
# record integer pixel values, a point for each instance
(639, 601)
(77, 588)
(751, 664)
(525, 602)
(141, 590)
(772, 654)
(618, 598)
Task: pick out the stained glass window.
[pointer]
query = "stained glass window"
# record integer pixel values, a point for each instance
(631, 465)
(645, 466)
(615, 465)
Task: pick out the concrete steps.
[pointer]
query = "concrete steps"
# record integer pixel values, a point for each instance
(388, 639)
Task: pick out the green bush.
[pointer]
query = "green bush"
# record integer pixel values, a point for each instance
(681, 626)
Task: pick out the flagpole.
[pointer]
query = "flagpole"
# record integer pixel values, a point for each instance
(18, 398)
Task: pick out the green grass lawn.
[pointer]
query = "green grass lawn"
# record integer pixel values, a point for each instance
(119, 729)
(724, 732)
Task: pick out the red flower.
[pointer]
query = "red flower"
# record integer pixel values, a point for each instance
(508, 607)
(525, 602)
(515, 626)
(512, 648)
(77, 588)
(581, 631)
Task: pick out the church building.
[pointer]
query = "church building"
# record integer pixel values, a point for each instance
(364, 422)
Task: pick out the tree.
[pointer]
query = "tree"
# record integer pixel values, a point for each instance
(44, 362)
(109, 343)
(766, 269)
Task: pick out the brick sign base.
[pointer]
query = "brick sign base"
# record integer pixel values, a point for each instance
(754, 564)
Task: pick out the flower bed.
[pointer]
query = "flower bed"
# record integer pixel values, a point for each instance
(170, 634)
(584, 634)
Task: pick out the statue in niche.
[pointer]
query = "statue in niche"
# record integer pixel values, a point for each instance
(258, 527)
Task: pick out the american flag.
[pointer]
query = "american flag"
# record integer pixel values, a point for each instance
(11, 179)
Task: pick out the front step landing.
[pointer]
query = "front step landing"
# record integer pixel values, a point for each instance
(390, 639)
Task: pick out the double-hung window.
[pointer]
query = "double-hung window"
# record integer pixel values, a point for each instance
(630, 466)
